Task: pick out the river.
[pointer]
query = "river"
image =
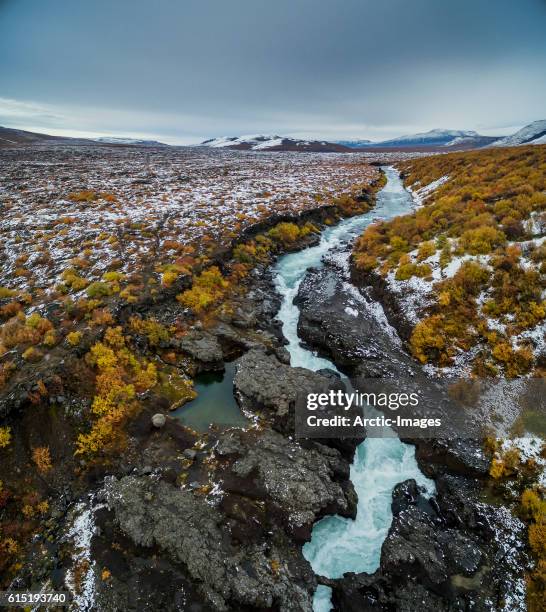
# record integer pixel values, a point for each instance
(339, 545)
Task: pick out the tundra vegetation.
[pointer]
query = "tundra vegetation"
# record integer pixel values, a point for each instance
(474, 254)
(107, 262)
(515, 474)
(476, 247)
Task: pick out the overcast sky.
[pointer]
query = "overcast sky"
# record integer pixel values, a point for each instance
(185, 70)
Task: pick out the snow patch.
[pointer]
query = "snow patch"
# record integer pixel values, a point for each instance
(421, 194)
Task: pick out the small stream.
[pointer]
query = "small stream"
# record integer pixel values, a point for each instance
(339, 545)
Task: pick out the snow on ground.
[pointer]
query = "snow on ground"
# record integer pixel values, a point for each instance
(529, 447)
(509, 533)
(420, 194)
(195, 197)
(190, 196)
(80, 578)
(374, 308)
(413, 295)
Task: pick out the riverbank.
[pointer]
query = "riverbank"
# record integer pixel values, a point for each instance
(351, 328)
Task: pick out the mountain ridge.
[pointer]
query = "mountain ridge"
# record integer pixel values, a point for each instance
(532, 133)
(270, 142)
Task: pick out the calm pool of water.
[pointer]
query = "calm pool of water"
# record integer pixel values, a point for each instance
(214, 403)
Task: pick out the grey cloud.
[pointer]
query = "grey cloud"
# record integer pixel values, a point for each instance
(206, 67)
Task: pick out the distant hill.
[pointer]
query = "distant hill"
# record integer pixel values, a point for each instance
(534, 133)
(10, 137)
(263, 142)
(433, 137)
(354, 144)
(130, 141)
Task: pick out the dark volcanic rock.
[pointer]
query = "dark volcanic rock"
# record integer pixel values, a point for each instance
(303, 484)
(264, 383)
(203, 347)
(194, 535)
(342, 324)
(449, 553)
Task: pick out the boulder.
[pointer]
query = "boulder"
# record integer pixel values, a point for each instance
(203, 347)
(159, 420)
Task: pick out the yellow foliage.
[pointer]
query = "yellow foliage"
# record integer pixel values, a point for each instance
(487, 201)
(98, 289)
(169, 277)
(208, 288)
(42, 458)
(114, 337)
(73, 280)
(102, 356)
(32, 354)
(5, 436)
(426, 340)
(50, 338)
(154, 331)
(74, 338)
(537, 538)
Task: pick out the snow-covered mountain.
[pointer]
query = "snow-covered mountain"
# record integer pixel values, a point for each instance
(470, 142)
(355, 144)
(266, 142)
(130, 141)
(435, 137)
(534, 133)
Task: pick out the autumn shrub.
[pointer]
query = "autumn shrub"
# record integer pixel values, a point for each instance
(533, 511)
(32, 354)
(288, 234)
(15, 332)
(74, 338)
(120, 376)
(98, 289)
(426, 250)
(42, 458)
(73, 280)
(5, 436)
(169, 277)
(481, 240)
(6, 293)
(406, 271)
(427, 340)
(6, 370)
(83, 196)
(253, 252)
(207, 289)
(505, 464)
(39, 323)
(10, 309)
(486, 203)
(154, 331)
(514, 361)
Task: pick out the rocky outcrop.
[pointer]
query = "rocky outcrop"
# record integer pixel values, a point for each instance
(440, 554)
(194, 535)
(235, 540)
(265, 385)
(392, 304)
(203, 347)
(300, 483)
(348, 328)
